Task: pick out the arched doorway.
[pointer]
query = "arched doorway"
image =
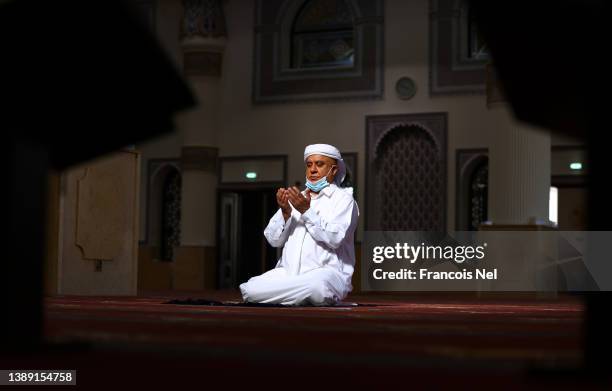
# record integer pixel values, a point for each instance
(472, 187)
(164, 210)
(406, 173)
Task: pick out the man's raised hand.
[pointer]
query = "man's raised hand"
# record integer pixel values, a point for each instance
(299, 202)
(282, 199)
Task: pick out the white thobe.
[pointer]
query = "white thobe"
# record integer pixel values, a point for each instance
(318, 257)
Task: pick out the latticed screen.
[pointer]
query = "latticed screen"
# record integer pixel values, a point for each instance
(171, 215)
(479, 184)
(410, 175)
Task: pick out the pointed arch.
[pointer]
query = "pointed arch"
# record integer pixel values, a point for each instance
(406, 172)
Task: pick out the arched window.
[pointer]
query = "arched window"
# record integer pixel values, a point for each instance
(308, 50)
(323, 35)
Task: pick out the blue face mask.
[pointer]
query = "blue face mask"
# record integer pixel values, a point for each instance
(320, 184)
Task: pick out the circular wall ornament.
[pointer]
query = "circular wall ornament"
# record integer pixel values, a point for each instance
(405, 88)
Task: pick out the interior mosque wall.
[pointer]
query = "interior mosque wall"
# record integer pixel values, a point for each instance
(264, 129)
(246, 129)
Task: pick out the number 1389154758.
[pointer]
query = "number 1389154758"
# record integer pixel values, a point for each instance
(8, 377)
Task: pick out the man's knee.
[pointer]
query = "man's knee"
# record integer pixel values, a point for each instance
(319, 293)
(244, 291)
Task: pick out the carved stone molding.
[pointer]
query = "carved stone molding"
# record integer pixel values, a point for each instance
(98, 221)
(104, 209)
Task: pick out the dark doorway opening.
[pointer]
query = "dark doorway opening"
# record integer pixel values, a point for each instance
(244, 251)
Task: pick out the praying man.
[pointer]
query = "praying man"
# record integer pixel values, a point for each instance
(316, 229)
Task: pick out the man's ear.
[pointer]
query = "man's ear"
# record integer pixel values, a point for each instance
(334, 171)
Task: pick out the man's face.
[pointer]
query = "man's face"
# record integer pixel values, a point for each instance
(318, 166)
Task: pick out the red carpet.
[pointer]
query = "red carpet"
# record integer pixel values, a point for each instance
(432, 340)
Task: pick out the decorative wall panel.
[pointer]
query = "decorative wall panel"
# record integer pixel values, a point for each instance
(406, 172)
